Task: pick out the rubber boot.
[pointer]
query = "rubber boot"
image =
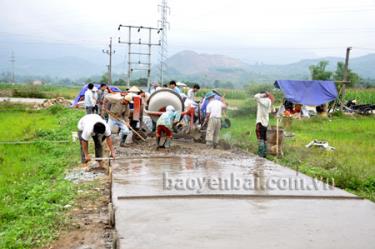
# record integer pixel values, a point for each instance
(123, 140)
(167, 143)
(262, 149)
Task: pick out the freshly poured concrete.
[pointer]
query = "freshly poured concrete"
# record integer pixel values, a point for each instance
(147, 216)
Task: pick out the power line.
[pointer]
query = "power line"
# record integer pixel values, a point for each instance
(13, 61)
(109, 52)
(140, 43)
(164, 25)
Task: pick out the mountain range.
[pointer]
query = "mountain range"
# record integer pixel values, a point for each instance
(205, 67)
(184, 66)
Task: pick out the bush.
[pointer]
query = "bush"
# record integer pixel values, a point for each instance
(251, 107)
(31, 92)
(54, 109)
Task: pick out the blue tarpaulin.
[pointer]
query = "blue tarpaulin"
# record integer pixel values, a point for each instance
(83, 90)
(308, 92)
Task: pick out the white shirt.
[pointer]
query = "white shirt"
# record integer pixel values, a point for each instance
(86, 125)
(90, 98)
(191, 94)
(215, 108)
(263, 109)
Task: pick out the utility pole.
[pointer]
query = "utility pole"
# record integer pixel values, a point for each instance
(346, 75)
(140, 43)
(13, 61)
(164, 25)
(109, 52)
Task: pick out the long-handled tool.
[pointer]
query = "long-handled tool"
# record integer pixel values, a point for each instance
(122, 121)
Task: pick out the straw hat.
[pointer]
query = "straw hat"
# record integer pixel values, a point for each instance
(128, 97)
(134, 89)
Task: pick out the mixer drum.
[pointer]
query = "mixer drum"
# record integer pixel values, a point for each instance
(160, 99)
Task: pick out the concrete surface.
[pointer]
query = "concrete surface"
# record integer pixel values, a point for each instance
(149, 215)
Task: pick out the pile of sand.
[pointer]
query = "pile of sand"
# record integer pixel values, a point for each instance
(50, 102)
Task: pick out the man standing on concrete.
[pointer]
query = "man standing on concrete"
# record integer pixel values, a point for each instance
(92, 125)
(90, 99)
(213, 117)
(118, 113)
(264, 103)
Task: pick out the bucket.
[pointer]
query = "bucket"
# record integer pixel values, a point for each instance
(274, 147)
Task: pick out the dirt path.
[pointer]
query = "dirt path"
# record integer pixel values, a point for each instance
(88, 225)
(22, 100)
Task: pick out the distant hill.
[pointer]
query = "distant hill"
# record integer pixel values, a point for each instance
(62, 67)
(188, 65)
(182, 66)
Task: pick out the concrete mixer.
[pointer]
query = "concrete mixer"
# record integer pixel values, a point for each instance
(160, 99)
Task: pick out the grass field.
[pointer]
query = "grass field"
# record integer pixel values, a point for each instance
(45, 91)
(351, 165)
(33, 192)
(364, 96)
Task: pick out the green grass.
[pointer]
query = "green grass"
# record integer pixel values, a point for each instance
(44, 91)
(33, 191)
(363, 96)
(351, 165)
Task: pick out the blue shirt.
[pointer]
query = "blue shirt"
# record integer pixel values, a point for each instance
(177, 90)
(167, 119)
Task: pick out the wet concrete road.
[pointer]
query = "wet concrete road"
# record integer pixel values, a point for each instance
(172, 202)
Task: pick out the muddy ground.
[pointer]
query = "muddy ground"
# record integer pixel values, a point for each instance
(88, 219)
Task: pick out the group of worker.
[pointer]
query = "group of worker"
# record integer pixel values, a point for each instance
(106, 109)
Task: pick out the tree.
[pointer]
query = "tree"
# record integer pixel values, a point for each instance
(139, 82)
(119, 82)
(353, 78)
(104, 78)
(318, 72)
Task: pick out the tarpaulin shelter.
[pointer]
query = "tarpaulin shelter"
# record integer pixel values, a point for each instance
(84, 89)
(308, 92)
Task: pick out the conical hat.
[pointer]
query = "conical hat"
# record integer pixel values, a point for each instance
(134, 89)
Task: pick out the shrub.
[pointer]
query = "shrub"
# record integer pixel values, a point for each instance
(31, 92)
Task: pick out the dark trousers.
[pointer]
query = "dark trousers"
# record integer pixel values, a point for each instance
(261, 132)
(90, 109)
(98, 141)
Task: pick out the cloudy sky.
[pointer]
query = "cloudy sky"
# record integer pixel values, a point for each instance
(320, 27)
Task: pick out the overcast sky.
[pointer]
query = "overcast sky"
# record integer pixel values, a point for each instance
(223, 26)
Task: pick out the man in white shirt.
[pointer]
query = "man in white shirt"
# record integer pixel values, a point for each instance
(213, 117)
(192, 92)
(90, 99)
(264, 103)
(92, 125)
